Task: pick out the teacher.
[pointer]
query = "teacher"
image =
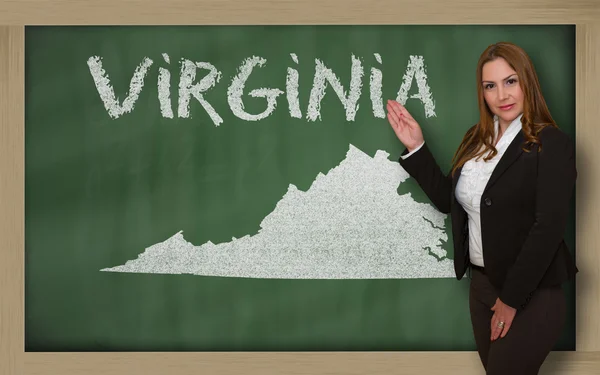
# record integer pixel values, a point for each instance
(508, 194)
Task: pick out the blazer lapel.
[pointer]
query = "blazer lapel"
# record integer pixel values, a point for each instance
(513, 151)
(455, 179)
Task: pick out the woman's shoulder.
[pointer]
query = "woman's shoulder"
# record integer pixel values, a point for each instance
(555, 140)
(553, 135)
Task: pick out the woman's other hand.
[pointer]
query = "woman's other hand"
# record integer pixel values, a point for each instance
(502, 319)
(406, 128)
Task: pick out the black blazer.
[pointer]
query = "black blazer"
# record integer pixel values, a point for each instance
(524, 209)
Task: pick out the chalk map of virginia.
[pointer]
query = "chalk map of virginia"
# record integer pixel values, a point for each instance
(350, 224)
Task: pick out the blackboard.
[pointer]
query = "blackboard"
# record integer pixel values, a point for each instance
(102, 186)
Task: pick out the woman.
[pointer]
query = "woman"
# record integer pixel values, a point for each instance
(508, 193)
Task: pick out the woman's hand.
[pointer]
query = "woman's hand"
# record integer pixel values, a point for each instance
(406, 128)
(502, 313)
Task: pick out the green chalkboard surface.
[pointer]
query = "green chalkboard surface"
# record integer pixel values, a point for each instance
(237, 187)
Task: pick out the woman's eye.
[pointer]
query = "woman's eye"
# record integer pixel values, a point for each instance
(511, 81)
(488, 86)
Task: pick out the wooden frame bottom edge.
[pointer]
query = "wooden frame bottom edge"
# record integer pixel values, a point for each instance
(558, 362)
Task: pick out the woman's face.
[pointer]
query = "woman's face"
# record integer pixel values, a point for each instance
(502, 91)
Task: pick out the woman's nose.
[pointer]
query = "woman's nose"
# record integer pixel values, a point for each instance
(502, 94)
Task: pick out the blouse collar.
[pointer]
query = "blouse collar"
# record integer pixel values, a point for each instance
(510, 132)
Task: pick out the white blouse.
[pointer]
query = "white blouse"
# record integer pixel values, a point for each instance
(473, 179)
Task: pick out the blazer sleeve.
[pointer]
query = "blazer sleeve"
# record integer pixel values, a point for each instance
(555, 183)
(423, 168)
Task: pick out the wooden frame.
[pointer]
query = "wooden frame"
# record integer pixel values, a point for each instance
(14, 15)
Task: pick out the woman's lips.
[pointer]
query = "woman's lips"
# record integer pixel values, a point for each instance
(506, 107)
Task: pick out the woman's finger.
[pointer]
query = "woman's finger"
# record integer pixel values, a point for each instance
(410, 122)
(499, 329)
(403, 110)
(394, 121)
(495, 330)
(506, 328)
(393, 107)
(404, 115)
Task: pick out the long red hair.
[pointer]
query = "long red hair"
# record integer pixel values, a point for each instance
(536, 115)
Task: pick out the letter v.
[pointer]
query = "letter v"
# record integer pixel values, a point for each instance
(106, 91)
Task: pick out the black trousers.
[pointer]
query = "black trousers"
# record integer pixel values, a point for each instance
(534, 331)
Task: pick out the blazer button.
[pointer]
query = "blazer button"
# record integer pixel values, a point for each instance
(488, 202)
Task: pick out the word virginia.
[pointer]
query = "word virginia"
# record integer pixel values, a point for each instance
(323, 76)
